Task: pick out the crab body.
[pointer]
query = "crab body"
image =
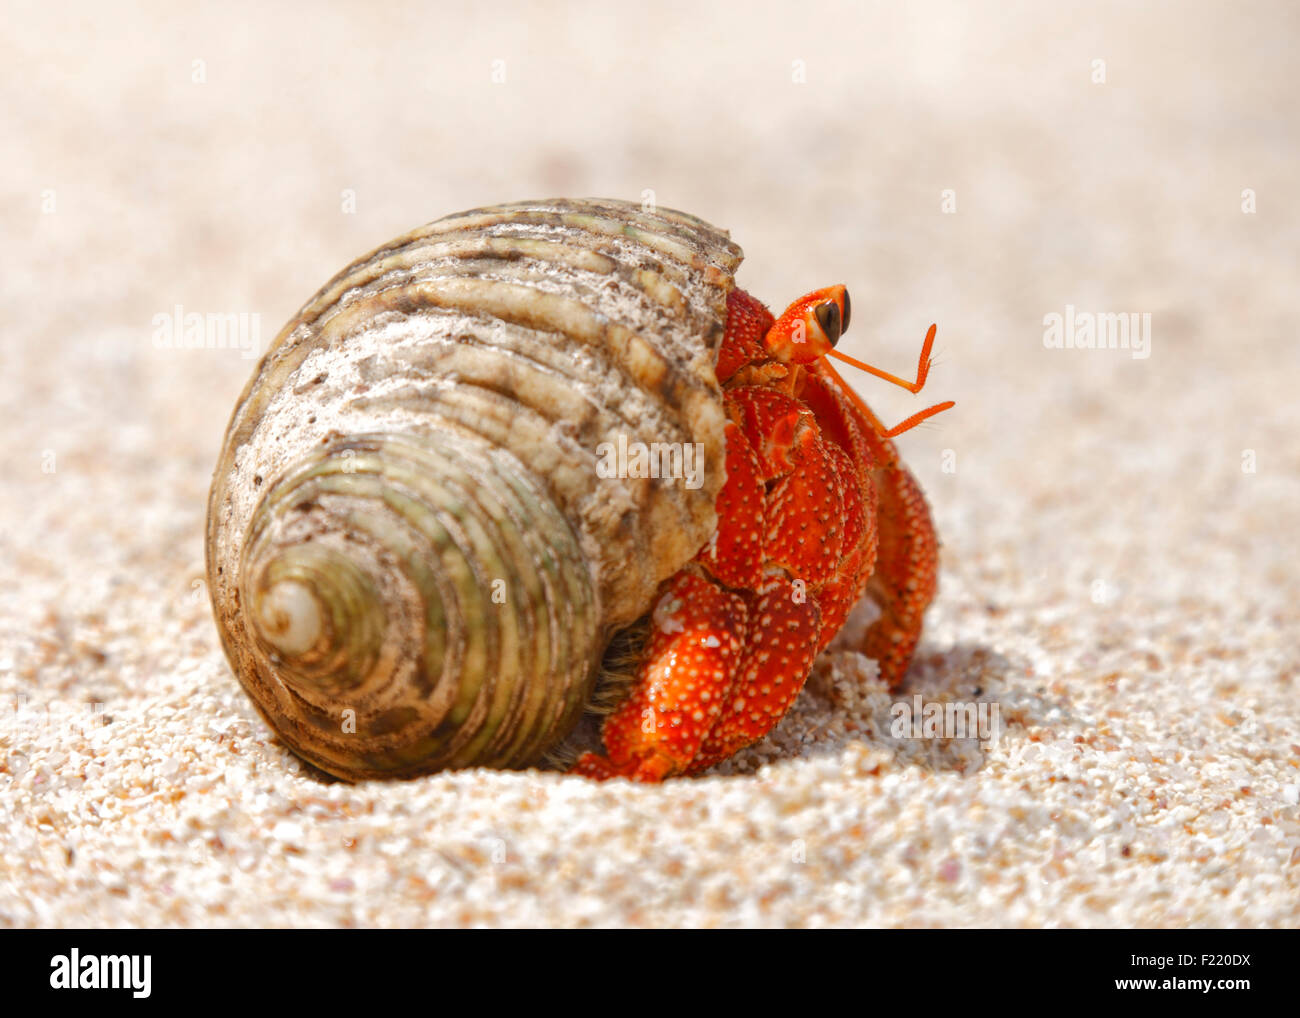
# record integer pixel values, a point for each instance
(816, 511)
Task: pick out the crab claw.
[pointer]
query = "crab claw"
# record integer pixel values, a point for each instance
(686, 672)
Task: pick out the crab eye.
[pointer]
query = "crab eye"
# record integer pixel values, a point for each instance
(844, 325)
(828, 317)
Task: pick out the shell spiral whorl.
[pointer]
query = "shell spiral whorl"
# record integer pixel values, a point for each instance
(413, 559)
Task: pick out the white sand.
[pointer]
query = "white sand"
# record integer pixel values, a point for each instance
(1112, 578)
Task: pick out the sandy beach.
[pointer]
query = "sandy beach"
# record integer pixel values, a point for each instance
(1119, 525)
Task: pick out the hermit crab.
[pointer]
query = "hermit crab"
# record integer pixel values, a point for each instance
(530, 454)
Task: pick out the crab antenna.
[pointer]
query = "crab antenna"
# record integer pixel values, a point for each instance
(922, 365)
(922, 370)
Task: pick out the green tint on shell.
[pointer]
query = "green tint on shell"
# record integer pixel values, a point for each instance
(493, 609)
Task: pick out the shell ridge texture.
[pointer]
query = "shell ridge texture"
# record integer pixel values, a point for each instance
(413, 558)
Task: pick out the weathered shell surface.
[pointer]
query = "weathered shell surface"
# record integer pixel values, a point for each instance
(413, 561)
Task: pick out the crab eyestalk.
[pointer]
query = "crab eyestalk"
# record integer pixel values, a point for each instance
(810, 327)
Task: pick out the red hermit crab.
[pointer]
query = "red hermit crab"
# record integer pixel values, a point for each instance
(816, 510)
(417, 562)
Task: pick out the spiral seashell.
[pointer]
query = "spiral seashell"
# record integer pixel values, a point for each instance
(414, 563)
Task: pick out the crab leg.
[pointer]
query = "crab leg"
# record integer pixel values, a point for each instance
(734, 635)
(907, 550)
(687, 671)
(907, 570)
(779, 649)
